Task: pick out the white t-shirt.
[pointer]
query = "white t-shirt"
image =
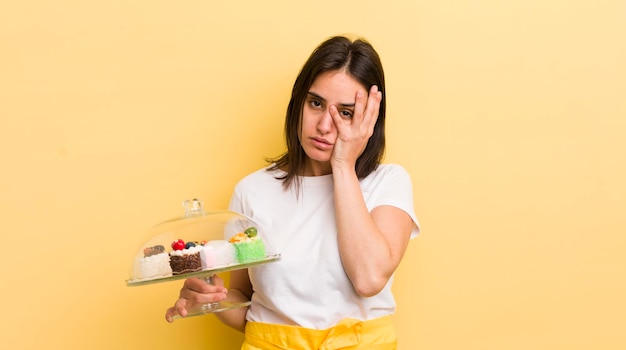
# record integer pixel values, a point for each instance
(308, 286)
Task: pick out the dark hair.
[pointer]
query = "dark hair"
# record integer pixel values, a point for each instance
(359, 59)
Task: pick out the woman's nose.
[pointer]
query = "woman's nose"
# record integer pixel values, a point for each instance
(325, 124)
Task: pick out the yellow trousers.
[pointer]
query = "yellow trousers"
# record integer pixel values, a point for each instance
(377, 334)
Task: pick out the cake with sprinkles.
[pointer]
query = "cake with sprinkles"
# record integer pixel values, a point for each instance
(248, 246)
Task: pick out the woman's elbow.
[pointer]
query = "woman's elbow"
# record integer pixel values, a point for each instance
(368, 287)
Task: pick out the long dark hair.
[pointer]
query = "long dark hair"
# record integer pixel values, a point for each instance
(359, 59)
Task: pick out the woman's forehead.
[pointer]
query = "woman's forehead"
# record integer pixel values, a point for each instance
(336, 87)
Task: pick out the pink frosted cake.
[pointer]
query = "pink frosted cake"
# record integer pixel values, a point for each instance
(217, 253)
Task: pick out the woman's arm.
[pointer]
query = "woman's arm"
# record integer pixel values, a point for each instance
(240, 291)
(371, 245)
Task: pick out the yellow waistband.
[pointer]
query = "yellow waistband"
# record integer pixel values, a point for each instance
(376, 334)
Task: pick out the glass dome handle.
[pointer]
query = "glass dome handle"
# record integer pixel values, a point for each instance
(193, 207)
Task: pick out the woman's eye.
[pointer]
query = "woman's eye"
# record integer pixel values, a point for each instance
(315, 103)
(346, 114)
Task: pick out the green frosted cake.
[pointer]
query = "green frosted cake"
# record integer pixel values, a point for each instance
(251, 250)
(248, 247)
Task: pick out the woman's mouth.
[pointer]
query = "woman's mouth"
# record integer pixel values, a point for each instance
(321, 143)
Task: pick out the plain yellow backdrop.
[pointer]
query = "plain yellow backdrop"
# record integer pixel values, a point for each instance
(509, 115)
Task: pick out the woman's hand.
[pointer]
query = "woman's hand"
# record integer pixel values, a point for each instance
(196, 291)
(354, 133)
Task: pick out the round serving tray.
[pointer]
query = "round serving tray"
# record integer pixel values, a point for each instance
(202, 273)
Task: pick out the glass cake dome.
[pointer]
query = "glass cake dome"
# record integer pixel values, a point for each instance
(200, 244)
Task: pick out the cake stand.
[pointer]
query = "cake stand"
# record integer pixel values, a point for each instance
(198, 225)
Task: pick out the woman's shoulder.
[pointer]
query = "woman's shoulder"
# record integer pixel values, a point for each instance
(261, 177)
(388, 174)
(390, 168)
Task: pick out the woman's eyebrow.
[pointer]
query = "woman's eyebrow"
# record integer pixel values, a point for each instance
(316, 96)
(347, 105)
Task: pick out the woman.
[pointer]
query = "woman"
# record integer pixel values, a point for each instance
(339, 218)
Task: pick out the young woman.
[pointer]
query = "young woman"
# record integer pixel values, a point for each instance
(340, 219)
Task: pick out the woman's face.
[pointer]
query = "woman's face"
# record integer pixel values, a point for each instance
(317, 130)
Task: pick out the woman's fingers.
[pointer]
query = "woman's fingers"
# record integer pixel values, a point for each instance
(359, 107)
(177, 309)
(353, 134)
(196, 291)
(200, 292)
(198, 285)
(366, 108)
(370, 115)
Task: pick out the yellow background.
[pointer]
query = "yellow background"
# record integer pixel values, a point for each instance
(509, 115)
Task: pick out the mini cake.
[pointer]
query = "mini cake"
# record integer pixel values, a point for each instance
(185, 258)
(217, 253)
(155, 262)
(248, 247)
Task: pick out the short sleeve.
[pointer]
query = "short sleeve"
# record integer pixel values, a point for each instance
(391, 185)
